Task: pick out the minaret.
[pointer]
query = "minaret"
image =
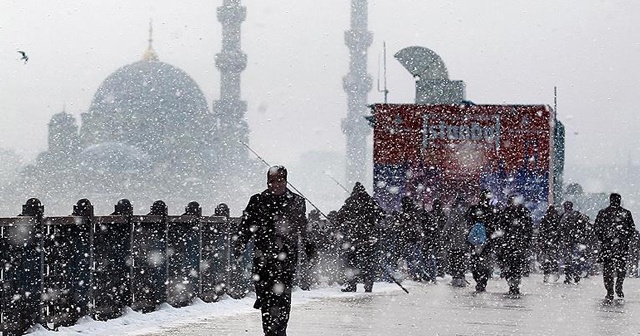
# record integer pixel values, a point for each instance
(357, 84)
(63, 135)
(229, 112)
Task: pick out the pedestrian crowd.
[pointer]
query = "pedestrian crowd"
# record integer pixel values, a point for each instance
(364, 243)
(360, 243)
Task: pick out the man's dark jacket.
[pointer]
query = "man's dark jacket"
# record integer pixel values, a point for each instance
(614, 228)
(517, 226)
(277, 222)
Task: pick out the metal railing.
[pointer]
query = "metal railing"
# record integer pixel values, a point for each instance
(58, 269)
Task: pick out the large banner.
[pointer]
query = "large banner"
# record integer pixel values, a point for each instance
(444, 151)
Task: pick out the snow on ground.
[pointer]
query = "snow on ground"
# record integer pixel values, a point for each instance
(136, 323)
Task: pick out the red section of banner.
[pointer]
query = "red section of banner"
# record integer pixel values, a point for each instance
(463, 141)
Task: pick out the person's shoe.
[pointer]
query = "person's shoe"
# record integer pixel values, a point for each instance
(620, 294)
(567, 281)
(608, 299)
(513, 294)
(545, 279)
(347, 290)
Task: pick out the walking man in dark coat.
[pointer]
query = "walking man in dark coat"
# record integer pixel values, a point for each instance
(614, 228)
(572, 240)
(455, 232)
(517, 224)
(277, 219)
(548, 242)
(411, 220)
(434, 223)
(358, 220)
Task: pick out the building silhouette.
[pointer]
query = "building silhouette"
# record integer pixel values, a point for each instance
(149, 134)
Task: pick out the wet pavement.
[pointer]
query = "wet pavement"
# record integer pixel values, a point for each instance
(439, 309)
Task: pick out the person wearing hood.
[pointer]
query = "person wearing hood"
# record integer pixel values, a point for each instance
(358, 219)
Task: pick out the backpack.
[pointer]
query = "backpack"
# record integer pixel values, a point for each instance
(477, 235)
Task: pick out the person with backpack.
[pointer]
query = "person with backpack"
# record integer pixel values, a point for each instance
(481, 220)
(517, 226)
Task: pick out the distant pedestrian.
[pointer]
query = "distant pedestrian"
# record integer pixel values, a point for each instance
(276, 218)
(614, 227)
(309, 271)
(410, 218)
(572, 241)
(548, 243)
(481, 218)
(455, 238)
(358, 219)
(434, 253)
(517, 226)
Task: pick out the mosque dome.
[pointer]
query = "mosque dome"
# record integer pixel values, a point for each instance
(149, 89)
(150, 105)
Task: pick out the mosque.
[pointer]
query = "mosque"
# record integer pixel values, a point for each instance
(149, 133)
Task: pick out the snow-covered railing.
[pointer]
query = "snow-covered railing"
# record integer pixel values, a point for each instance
(58, 269)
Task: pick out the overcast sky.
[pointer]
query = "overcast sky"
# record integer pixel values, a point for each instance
(509, 51)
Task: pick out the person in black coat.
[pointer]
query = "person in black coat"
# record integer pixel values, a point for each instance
(548, 242)
(517, 226)
(358, 219)
(410, 219)
(573, 226)
(276, 218)
(434, 223)
(455, 238)
(614, 228)
(480, 259)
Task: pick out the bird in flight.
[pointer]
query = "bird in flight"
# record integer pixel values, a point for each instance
(24, 57)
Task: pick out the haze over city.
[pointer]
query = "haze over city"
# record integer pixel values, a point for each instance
(512, 52)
